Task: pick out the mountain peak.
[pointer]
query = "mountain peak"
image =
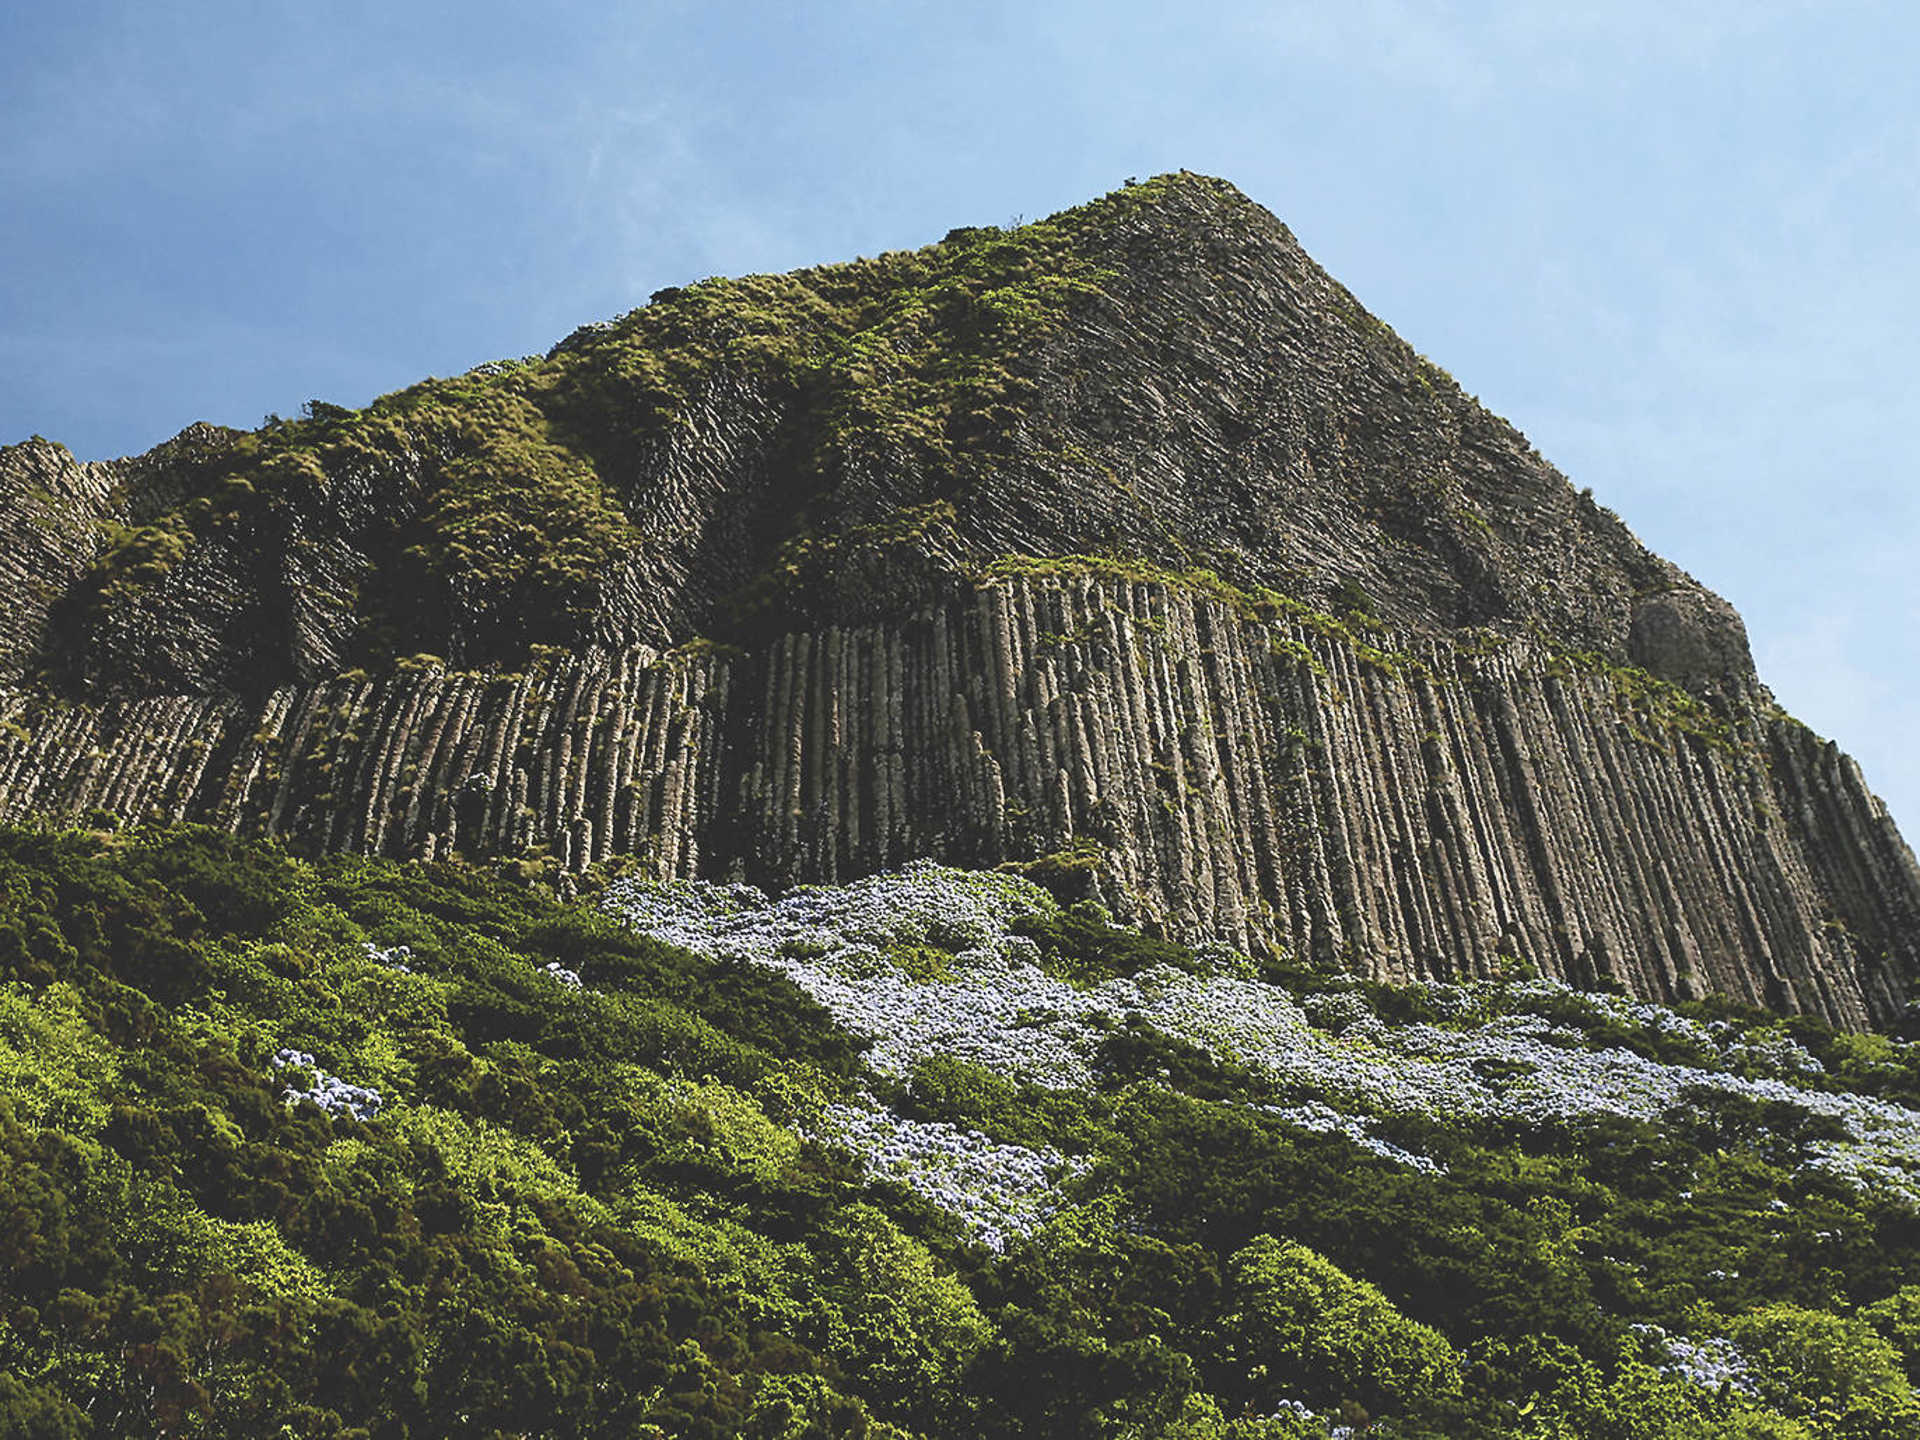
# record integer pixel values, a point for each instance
(1160, 374)
(1124, 546)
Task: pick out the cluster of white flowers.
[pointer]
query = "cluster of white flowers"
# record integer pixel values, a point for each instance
(925, 904)
(1297, 1410)
(329, 1092)
(394, 959)
(999, 1190)
(560, 975)
(998, 1010)
(1771, 1055)
(1709, 1364)
(1542, 1079)
(1338, 1010)
(1495, 1059)
(1323, 1119)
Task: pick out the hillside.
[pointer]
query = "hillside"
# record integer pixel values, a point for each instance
(355, 1147)
(1125, 542)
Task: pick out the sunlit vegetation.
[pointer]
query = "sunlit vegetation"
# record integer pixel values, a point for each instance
(495, 509)
(704, 1192)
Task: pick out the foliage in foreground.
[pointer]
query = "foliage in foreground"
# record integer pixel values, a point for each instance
(613, 1207)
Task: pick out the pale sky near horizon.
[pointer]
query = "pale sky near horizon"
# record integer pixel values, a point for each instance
(1678, 251)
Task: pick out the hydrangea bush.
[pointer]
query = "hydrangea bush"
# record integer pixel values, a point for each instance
(998, 1191)
(309, 1084)
(1495, 1053)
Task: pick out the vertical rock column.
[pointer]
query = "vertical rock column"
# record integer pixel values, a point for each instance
(577, 757)
(1431, 810)
(1427, 812)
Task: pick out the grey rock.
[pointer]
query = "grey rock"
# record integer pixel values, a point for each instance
(1534, 744)
(1434, 811)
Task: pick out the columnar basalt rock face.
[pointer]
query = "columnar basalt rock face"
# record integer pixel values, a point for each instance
(1530, 741)
(1417, 809)
(51, 507)
(576, 760)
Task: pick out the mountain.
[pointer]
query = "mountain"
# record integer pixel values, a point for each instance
(1125, 547)
(1215, 742)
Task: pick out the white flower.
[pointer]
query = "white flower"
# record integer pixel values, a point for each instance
(999, 1190)
(394, 959)
(328, 1092)
(1508, 1053)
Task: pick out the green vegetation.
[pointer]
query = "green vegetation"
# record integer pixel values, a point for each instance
(604, 1209)
(1069, 875)
(1258, 603)
(548, 1200)
(494, 506)
(1652, 709)
(1305, 1328)
(1082, 944)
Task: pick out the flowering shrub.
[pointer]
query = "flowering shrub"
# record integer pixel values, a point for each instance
(1506, 1054)
(394, 957)
(1710, 1363)
(924, 1157)
(999, 1191)
(308, 1083)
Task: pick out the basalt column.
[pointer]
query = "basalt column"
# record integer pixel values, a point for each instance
(1405, 808)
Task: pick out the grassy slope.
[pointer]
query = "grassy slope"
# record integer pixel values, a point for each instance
(593, 1211)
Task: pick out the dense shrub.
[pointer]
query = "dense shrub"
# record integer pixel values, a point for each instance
(1299, 1327)
(611, 1208)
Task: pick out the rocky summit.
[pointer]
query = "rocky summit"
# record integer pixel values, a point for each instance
(1125, 550)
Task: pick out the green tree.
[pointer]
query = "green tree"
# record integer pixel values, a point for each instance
(906, 1329)
(1834, 1370)
(1897, 1318)
(1299, 1327)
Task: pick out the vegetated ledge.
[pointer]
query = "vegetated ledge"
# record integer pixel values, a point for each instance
(1237, 766)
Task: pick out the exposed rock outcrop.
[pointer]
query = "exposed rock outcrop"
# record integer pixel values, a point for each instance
(52, 513)
(1434, 810)
(1524, 740)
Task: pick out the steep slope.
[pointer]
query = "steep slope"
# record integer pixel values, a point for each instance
(356, 1148)
(1162, 374)
(1127, 538)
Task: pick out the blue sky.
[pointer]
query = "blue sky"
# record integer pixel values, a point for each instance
(1677, 250)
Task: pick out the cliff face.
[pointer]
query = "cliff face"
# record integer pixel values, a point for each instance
(1425, 711)
(1439, 810)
